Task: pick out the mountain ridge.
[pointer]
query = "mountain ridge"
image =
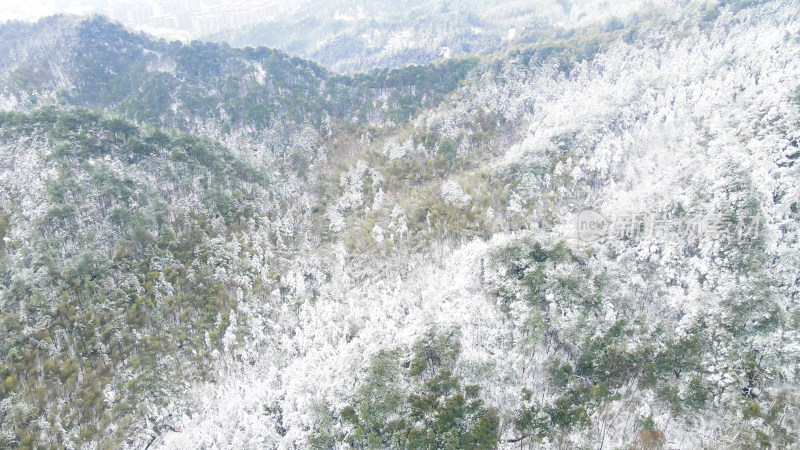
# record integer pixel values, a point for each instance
(258, 80)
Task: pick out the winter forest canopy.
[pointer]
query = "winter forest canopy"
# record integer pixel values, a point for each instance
(584, 233)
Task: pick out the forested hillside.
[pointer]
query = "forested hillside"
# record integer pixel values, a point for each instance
(210, 247)
(97, 64)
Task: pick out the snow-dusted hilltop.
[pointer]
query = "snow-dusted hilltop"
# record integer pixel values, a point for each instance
(584, 240)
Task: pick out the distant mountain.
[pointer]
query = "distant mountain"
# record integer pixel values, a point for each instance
(354, 35)
(350, 36)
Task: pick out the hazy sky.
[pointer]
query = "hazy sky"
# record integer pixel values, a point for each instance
(33, 9)
(174, 18)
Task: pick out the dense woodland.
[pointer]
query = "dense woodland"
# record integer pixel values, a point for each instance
(204, 246)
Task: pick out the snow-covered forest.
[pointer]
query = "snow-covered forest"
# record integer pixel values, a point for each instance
(203, 246)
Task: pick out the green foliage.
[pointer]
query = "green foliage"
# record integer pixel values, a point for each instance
(572, 408)
(606, 359)
(5, 225)
(531, 420)
(416, 403)
(529, 268)
(624, 353)
(106, 311)
(435, 349)
(448, 148)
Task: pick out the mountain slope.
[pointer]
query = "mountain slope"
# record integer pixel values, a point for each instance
(641, 339)
(397, 264)
(105, 274)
